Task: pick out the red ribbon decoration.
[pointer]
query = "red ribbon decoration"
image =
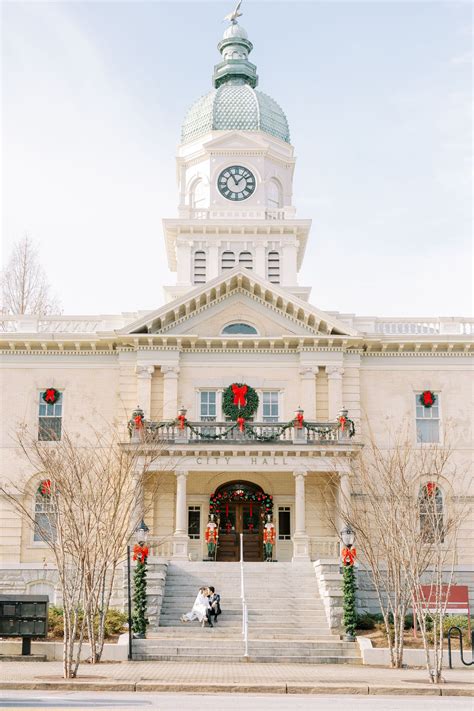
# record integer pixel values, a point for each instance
(342, 421)
(250, 526)
(140, 553)
(227, 510)
(241, 423)
(228, 527)
(181, 419)
(431, 488)
(348, 556)
(251, 510)
(138, 422)
(299, 419)
(50, 395)
(239, 395)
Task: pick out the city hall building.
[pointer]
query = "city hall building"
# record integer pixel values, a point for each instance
(225, 372)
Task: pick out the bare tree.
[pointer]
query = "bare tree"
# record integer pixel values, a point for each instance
(91, 488)
(25, 287)
(384, 512)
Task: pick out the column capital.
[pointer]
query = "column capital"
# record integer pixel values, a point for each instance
(300, 473)
(308, 372)
(181, 473)
(334, 371)
(144, 371)
(170, 371)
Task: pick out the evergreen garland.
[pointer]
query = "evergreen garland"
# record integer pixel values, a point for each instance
(349, 618)
(234, 411)
(140, 620)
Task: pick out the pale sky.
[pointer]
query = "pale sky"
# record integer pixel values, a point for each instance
(378, 97)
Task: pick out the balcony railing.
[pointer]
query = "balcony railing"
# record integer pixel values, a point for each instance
(251, 432)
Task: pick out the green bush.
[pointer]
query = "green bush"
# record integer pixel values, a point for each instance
(114, 622)
(456, 621)
(365, 621)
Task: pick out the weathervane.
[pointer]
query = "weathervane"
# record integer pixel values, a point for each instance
(232, 16)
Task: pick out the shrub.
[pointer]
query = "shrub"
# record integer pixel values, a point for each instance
(365, 621)
(114, 622)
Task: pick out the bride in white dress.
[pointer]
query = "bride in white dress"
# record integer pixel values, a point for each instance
(200, 608)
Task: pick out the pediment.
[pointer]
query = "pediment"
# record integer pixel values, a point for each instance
(238, 294)
(237, 140)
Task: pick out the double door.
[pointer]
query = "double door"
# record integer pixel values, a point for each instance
(236, 518)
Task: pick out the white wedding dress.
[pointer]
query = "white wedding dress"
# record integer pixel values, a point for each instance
(200, 607)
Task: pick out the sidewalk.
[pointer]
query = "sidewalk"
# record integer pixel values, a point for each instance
(238, 677)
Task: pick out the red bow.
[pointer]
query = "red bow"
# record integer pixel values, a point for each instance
(299, 419)
(140, 553)
(228, 526)
(181, 420)
(138, 422)
(241, 423)
(348, 556)
(250, 526)
(342, 422)
(50, 395)
(45, 487)
(427, 398)
(431, 488)
(240, 391)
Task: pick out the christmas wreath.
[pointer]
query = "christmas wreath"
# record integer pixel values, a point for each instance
(217, 501)
(427, 398)
(51, 396)
(239, 400)
(44, 489)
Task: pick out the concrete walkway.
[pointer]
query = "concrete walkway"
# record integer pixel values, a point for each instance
(239, 677)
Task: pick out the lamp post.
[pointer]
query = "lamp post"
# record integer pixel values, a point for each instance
(140, 536)
(348, 554)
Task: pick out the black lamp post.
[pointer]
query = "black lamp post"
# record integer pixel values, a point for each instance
(140, 536)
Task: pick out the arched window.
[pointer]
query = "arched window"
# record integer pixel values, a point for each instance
(246, 260)
(274, 195)
(243, 328)
(199, 267)
(430, 501)
(198, 196)
(45, 523)
(227, 260)
(273, 267)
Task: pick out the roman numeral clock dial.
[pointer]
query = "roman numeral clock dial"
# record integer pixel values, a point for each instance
(236, 183)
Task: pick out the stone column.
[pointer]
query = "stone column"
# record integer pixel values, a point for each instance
(300, 539)
(180, 536)
(343, 499)
(144, 376)
(307, 401)
(335, 373)
(170, 391)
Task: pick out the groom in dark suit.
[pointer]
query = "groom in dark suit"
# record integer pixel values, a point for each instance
(214, 605)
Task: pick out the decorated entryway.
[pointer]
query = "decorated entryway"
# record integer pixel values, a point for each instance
(240, 507)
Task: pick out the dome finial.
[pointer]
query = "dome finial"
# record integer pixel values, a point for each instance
(232, 16)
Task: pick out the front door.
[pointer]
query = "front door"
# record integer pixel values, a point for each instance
(240, 517)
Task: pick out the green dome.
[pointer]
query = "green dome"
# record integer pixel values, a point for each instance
(234, 103)
(235, 106)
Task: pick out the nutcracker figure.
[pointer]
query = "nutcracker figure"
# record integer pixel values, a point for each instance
(269, 537)
(211, 536)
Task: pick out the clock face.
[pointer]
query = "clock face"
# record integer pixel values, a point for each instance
(236, 183)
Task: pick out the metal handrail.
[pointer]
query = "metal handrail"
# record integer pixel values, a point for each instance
(245, 614)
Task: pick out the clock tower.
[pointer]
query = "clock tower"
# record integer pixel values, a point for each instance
(235, 167)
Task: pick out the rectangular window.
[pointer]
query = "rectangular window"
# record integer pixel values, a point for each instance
(284, 523)
(45, 527)
(207, 407)
(194, 522)
(427, 421)
(49, 419)
(270, 406)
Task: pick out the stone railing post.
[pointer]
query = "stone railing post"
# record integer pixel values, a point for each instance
(180, 536)
(300, 538)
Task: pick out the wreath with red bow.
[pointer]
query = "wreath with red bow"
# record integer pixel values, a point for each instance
(44, 489)
(239, 400)
(51, 396)
(427, 398)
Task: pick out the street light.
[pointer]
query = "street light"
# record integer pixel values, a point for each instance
(140, 535)
(348, 536)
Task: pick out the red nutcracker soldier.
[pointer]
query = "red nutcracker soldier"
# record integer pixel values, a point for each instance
(269, 537)
(211, 536)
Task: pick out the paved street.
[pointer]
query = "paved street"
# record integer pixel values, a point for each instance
(224, 702)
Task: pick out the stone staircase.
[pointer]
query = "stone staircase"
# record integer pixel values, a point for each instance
(287, 619)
